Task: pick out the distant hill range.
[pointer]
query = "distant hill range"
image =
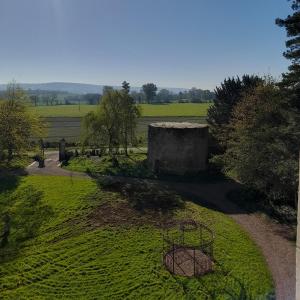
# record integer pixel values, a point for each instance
(77, 88)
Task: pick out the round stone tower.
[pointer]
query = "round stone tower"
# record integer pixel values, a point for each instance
(177, 148)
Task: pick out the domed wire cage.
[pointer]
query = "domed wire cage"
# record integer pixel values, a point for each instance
(188, 248)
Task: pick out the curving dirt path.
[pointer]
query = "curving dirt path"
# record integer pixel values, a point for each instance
(272, 238)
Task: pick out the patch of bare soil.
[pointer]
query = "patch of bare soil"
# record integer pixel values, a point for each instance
(188, 262)
(122, 214)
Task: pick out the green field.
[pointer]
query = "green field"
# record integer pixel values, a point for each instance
(148, 110)
(63, 121)
(69, 127)
(71, 256)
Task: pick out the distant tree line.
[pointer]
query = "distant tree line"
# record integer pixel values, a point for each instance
(149, 93)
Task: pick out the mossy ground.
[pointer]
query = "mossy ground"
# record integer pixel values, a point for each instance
(67, 259)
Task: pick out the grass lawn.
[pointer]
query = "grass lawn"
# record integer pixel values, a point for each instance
(68, 258)
(134, 165)
(148, 110)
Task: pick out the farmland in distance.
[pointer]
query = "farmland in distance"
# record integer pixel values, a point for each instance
(69, 127)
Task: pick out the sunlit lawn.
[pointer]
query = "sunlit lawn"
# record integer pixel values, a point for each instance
(148, 110)
(68, 261)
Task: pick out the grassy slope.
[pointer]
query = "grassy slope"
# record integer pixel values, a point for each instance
(119, 263)
(133, 166)
(148, 110)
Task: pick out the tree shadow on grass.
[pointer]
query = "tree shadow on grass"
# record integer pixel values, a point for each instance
(8, 182)
(143, 196)
(135, 166)
(253, 201)
(22, 213)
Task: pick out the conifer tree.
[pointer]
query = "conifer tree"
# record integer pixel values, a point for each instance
(291, 80)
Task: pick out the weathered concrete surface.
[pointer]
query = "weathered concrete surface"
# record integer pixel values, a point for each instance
(52, 167)
(177, 148)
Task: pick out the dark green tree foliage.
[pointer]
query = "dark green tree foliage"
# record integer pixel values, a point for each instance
(150, 90)
(164, 95)
(91, 99)
(22, 214)
(106, 89)
(260, 147)
(226, 97)
(291, 80)
(126, 86)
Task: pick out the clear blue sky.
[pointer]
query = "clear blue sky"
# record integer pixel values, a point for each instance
(173, 43)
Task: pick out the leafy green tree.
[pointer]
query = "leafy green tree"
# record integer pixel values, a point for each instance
(17, 124)
(291, 80)
(129, 115)
(34, 99)
(164, 95)
(106, 89)
(259, 151)
(149, 90)
(227, 96)
(113, 124)
(138, 97)
(126, 86)
(93, 131)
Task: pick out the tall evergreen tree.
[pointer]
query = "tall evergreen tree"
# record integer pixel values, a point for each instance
(291, 80)
(228, 95)
(126, 87)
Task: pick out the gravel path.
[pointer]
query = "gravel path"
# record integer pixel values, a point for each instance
(272, 238)
(52, 167)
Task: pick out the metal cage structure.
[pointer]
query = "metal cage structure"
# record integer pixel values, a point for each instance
(188, 248)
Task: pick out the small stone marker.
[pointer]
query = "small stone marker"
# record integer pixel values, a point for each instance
(62, 149)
